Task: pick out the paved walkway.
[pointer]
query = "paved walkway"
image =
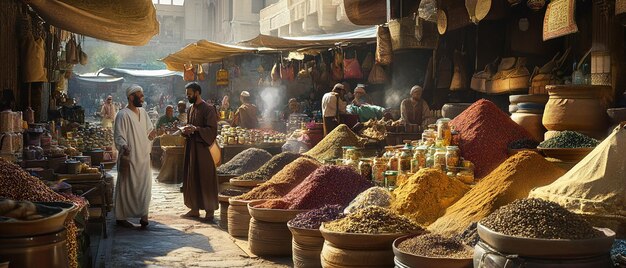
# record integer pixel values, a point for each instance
(171, 241)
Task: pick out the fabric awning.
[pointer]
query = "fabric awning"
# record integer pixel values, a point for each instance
(312, 41)
(98, 78)
(139, 73)
(128, 22)
(204, 51)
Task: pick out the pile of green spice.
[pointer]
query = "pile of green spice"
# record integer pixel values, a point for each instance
(269, 169)
(569, 139)
(537, 218)
(436, 246)
(330, 147)
(374, 220)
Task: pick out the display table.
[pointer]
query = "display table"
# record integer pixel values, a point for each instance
(92, 187)
(229, 151)
(172, 164)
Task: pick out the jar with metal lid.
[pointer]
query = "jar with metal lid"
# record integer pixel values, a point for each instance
(466, 175)
(392, 162)
(388, 152)
(419, 159)
(241, 139)
(404, 160)
(444, 131)
(391, 176)
(232, 139)
(439, 160)
(350, 159)
(378, 171)
(452, 157)
(365, 168)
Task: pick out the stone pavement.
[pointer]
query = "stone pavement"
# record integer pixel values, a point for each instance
(171, 241)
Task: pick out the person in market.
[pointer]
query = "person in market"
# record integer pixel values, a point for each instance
(182, 112)
(293, 107)
(333, 104)
(246, 114)
(166, 119)
(133, 133)
(108, 112)
(366, 111)
(360, 96)
(200, 185)
(414, 110)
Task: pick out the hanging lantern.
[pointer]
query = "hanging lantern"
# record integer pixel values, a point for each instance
(222, 76)
(536, 5)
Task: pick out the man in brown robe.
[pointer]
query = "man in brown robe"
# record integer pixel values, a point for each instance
(414, 110)
(200, 186)
(246, 114)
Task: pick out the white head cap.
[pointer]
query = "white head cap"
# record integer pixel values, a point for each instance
(245, 93)
(132, 89)
(415, 89)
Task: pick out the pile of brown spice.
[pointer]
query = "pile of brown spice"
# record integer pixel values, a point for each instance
(425, 196)
(330, 147)
(537, 218)
(374, 220)
(284, 181)
(436, 246)
(269, 169)
(484, 134)
(512, 180)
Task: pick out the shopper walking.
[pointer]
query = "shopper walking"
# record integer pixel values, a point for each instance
(199, 178)
(133, 134)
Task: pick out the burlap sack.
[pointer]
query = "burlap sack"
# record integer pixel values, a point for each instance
(384, 51)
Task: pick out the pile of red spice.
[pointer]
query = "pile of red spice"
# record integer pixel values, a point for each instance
(284, 181)
(484, 133)
(328, 185)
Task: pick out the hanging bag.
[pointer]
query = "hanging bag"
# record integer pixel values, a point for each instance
(222, 76)
(459, 76)
(304, 72)
(324, 75)
(70, 51)
(384, 50)
(337, 71)
(188, 74)
(82, 56)
(200, 73)
(275, 75)
(377, 75)
(352, 68)
(367, 64)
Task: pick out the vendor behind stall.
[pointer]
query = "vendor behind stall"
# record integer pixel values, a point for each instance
(293, 107)
(333, 104)
(366, 111)
(246, 114)
(168, 118)
(360, 96)
(182, 112)
(414, 110)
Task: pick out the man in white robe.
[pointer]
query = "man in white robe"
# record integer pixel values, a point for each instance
(133, 132)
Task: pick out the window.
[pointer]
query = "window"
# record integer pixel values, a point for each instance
(178, 2)
(257, 5)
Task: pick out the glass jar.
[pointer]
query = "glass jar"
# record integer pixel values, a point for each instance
(391, 176)
(404, 161)
(388, 152)
(466, 175)
(344, 151)
(232, 140)
(392, 163)
(444, 132)
(439, 160)
(452, 158)
(350, 160)
(378, 171)
(241, 139)
(365, 168)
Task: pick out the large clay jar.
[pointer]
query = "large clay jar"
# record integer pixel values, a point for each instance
(579, 108)
(531, 122)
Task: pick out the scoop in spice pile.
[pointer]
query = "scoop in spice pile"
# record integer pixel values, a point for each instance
(537, 218)
(270, 168)
(247, 161)
(375, 196)
(425, 195)
(569, 139)
(374, 220)
(484, 133)
(595, 186)
(17, 184)
(327, 185)
(512, 180)
(436, 246)
(313, 219)
(330, 147)
(284, 181)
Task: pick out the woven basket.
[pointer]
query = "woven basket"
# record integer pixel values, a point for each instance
(171, 140)
(540, 81)
(406, 35)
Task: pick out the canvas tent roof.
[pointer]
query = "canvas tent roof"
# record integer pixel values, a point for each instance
(98, 78)
(312, 41)
(139, 73)
(204, 51)
(128, 22)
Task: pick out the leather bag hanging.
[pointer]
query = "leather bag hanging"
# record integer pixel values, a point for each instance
(444, 72)
(352, 68)
(384, 51)
(377, 75)
(200, 73)
(367, 64)
(304, 72)
(286, 71)
(70, 51)
(459, 75)
(222, 76)
(33, 69)
(188, 74)
(324, 75)
(82, 56)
